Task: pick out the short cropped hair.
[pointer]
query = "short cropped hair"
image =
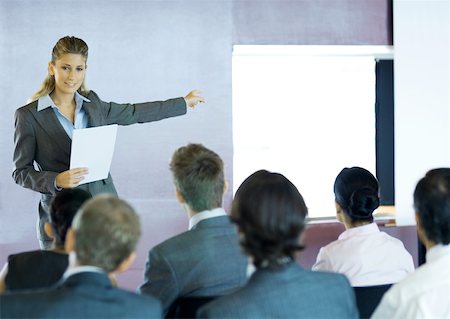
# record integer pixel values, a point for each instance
(107, 230)
(198, 176)
(270, 214)
(63, 208)
(432, 204)
(356, 190)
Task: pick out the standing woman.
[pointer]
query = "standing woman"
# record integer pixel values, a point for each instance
(44, 127)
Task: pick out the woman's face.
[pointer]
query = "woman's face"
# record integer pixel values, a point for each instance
(69, 72)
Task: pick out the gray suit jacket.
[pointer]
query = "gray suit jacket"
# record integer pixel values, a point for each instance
(81, 295)
(40, 139)
(291, 292)
(204, 261)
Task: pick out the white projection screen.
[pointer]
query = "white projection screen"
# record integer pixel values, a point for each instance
(306, 116)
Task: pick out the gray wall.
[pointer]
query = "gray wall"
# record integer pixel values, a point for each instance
(149, 50)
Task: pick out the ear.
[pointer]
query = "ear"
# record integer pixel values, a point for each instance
(179, 197)
(339, 212)
(48, 230)
(51, 68)
(124, 265)
(69, 245)
(225, 187)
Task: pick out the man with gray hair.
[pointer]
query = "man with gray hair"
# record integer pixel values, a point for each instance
(205, 260)
(102, 242)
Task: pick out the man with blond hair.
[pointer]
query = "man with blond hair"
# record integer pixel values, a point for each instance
(205, 260)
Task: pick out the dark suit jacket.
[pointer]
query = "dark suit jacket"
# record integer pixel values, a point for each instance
(39, 138)
(291, 292)
(35, 269)
(204, 261)
(82, 295)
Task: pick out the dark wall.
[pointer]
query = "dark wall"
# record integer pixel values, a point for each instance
(384, 114)
(150, 50)
(313, 22)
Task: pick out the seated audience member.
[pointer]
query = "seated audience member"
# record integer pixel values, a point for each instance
(363, 253)
(101, 242)
(205, 260)
(270, 216)
(43, 268)
(426, 292)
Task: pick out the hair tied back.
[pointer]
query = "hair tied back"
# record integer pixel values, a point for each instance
(363, 202)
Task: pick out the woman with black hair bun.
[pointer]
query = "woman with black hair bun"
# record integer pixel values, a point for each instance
(367, 256)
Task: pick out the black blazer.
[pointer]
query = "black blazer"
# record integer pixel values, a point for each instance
(35, 269)
(40, 139)
(81, 295)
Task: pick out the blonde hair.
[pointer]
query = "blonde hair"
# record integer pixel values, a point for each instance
(63, 46)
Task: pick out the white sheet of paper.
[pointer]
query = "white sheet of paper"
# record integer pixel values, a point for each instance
(93, 148)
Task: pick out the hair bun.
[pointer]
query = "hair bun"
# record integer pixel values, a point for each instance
(363, 202)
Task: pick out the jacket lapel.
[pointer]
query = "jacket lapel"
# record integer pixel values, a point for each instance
(92, 111)
(49, 123)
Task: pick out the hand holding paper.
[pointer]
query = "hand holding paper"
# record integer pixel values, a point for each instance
(93, 148)
(71, 178)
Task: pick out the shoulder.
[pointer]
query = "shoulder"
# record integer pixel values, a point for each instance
(93, 97)
(24, 254)
(329, 278)
(181, 239)
(216, 230)
(26, 109)
(333, 248)
(425, 278)
(390, 239)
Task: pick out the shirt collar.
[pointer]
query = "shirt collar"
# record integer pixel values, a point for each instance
(216, 212)
(46, 101)
(364, 230)
(437, 252)
(78, 269)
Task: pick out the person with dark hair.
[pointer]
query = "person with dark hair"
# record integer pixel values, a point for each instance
(270, 216)
(102, 242)
(44, 127)
(205, 260)
(426, 292)
(43, 268)
(367, 256)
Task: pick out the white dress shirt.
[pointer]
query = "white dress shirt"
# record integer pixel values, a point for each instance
(216, 212)
(423, 294)
(79, 269)
(367, 256)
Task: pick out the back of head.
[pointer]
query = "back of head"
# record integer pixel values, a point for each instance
(270, 214)
(63, 208)
(198, 176)
(106, 232)
(356, 190)
(432, 204)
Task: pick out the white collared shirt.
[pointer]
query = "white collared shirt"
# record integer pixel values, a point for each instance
(423, 294)
(216, 212)
(80, 119)
(75, 270)
(367, 256)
